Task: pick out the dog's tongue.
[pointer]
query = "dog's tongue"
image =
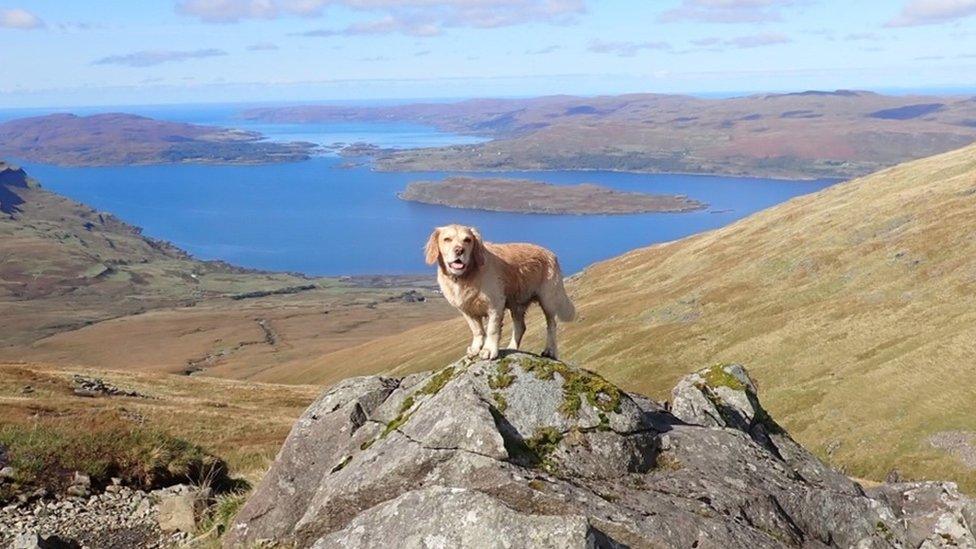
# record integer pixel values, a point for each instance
(457, 265)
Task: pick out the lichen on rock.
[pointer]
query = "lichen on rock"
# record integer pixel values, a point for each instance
(527, 451)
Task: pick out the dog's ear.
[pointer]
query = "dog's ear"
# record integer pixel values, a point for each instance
(478, 250)
(432, 250)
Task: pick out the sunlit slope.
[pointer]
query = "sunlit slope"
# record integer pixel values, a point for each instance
(855, 308)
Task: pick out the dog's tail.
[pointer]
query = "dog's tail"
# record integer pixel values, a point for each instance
(565, 310)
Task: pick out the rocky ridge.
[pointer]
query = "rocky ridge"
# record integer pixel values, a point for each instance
(525, 451)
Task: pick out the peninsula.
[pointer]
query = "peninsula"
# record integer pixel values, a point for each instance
(114, 139)
(527, 196)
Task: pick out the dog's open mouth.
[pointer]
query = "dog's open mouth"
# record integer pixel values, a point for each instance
(457, 265)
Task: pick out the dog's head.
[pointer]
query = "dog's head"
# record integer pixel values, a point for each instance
(458, 249)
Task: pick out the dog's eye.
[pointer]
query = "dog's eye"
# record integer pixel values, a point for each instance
(448, 239)
(467, 239)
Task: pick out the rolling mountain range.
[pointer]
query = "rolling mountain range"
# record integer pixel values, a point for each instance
(797, 135)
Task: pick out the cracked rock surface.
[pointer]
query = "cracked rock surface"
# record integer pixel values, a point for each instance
(529, 452)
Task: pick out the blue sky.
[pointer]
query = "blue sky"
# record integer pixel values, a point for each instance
(68, 53)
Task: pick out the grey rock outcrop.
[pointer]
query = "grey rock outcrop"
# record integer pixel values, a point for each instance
(529, 452)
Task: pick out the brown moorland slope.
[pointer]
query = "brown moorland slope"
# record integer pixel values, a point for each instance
(854, 307)
(808, 134)
(243, 423)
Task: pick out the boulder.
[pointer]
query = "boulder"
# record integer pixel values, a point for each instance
(527, 451)
(181, 507)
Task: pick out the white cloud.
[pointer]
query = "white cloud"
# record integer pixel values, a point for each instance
(414, 17)
(726, 11)
(931, 12)
(16, 18)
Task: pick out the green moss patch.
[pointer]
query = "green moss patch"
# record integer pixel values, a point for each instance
(577, 385)
(394, 424)
(432, 387)
(503, 377)
(437, 382)
(598, 392)
(500, 401)
(543, 443)
(407, 404)
(716, 376)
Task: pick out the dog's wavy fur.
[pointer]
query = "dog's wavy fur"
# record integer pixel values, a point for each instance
(495, 277)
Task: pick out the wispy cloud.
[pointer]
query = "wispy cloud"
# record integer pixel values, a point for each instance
(412, 17)
(263, 46)
(758, 40)
(716, 44)
(385, 25)
(932, 12)
(545, 50)
(79, 26)
(726, 11)
(149, 58)
(17, 18)
(862, 37)
(626, 49)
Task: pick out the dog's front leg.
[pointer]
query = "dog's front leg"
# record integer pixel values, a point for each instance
(495, 316)
(477, 334)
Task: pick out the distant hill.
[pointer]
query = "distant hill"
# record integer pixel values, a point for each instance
(120, 139)
(854, 307)
(809, 134)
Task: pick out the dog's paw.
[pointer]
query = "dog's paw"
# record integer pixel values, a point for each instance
(472, 351)
(549, 353)
(489, 354)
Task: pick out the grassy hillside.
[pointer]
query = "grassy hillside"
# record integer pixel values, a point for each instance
(855, 308)
(81, 287)
(241, 422)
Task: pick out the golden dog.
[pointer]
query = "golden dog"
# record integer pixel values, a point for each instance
(483, 279)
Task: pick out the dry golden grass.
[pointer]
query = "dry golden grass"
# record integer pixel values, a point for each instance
(854, 308)
(242, 423)
(266, 339)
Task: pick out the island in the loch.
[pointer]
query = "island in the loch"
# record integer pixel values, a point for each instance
(527, 196)
(115, 139)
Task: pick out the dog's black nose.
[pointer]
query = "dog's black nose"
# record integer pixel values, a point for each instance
(458, 250)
